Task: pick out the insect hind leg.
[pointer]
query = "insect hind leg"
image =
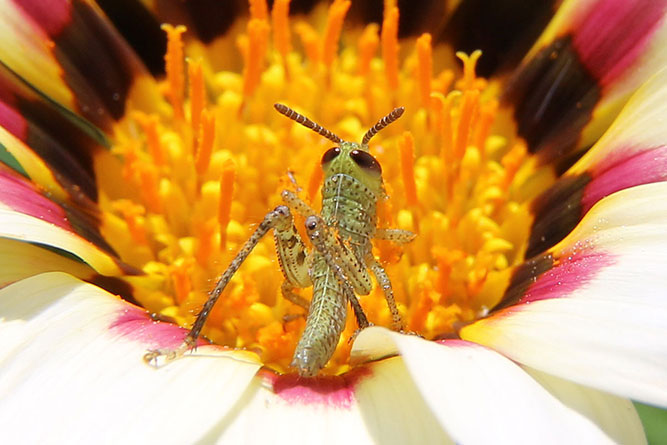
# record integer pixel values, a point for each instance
(279, 219)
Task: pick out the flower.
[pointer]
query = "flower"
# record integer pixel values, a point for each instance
(535, 282)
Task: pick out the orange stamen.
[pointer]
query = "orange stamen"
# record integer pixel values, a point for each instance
(367, 46)
(258, 31)
(180, 278)
(259, 9)
(424, 67)
(443, 81)
(133, 214)
(407, 147)
(205, 232)
(149, 127)
(420, 310)
(174, 67)
(513, 160)
(389, 38)
(309, 40)
(470, 101)
(487, 116)
(314, 182)
(197, 94)
(150, 186)
(205, 142)
(332, 31)
(281, 32)
(226, 195)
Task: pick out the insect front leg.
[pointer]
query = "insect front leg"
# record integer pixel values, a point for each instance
(279, 219)
(384, 282)
(398, 236)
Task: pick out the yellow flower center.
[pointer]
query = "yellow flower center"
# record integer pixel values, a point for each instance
(198, 175)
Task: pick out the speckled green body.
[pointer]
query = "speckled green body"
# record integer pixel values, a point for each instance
(349, 207)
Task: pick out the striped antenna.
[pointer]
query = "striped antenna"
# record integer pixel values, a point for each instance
(303, 120)
(388, 119)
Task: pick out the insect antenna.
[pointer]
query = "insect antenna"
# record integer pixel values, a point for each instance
(303, 120)
(388, 119)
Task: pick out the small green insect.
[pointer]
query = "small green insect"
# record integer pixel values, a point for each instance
(337, 267)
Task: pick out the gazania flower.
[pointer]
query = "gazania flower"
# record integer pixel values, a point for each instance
(532, 177)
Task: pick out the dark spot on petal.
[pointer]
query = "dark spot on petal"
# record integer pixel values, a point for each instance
(557, 211)
(553, 97)
(524, 276)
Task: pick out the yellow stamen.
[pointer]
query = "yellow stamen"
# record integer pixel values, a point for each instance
(389, 38)
(367, 47)
(335, 18)
(174, 67)
(226, 198)
(150, 187)
(470, 81)
(197, 94)
(205, 142)
(424, 67)
(407, 147)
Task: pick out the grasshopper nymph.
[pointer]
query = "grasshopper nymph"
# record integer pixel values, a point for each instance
(341, 234)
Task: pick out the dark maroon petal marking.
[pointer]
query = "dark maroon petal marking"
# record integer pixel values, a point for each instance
(332, 391)
(557, 211)
(141, 29)
(10, 118)
(622, 171)
(611, 37)
(553, 98)
(115, 286)
(544, 277)
(64, 141)
(20, 195)
(522, 278)
(98, 65)
(504, 32)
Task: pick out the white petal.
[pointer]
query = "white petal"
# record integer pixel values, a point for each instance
(478, 396)
(16, 225)
(604, 327)
(616, 416)
(71, 370)
(20, 260)
(290, 410)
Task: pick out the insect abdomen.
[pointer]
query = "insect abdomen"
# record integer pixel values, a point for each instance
(325, 323)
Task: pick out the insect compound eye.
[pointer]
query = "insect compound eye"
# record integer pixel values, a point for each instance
(330, 154)
(365, 161)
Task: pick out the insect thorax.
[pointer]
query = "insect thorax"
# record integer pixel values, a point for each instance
(351, 207)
